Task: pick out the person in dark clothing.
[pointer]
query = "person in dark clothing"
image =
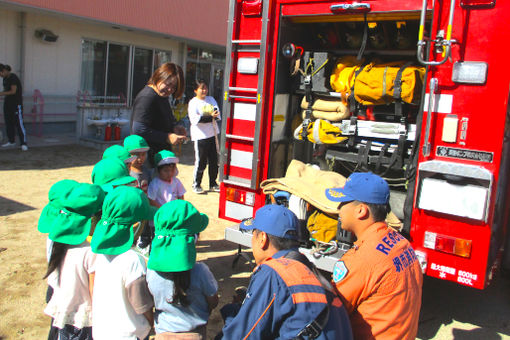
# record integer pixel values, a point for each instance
(13, 107)
(152, 117)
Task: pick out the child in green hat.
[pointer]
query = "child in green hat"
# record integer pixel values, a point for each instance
(138, 147)
(122, 304)
(71, 263)
(166, 186)
(117, 151)
(185, 291)
(110, 173)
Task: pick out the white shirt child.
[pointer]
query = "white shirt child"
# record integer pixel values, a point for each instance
(71, 303)
(163, 191)
(195, 112)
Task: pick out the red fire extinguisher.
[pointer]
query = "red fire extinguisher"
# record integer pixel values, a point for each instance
(116, 132)
(108, 132)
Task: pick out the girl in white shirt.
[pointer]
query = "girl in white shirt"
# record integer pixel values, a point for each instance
(203, 114)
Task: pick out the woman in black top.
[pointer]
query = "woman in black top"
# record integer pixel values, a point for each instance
(13, 107)
(153, 118)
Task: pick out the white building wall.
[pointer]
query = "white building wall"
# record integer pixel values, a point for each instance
(9, 39)
(55, 68)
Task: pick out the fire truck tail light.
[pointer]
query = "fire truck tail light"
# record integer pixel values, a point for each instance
(469, 72)
(240, 196)
(447, 244)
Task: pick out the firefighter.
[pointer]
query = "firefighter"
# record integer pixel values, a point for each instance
(286, 298)
(379, 279)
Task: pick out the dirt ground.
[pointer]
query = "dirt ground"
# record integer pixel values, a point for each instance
(449, 311)
(25, 180)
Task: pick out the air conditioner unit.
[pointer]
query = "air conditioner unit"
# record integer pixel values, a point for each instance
(46, 35)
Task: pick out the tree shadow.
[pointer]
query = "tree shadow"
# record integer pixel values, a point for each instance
(9, 207)
(444, 302)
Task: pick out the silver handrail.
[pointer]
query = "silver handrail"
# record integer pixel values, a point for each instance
(447, 43)
(432, 91)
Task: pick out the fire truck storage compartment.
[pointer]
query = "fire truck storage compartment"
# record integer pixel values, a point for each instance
(378, 139)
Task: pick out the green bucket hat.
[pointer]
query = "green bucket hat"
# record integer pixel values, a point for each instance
(165, 157)
(117, 151)
(173, 248)
(122, 207)
(135, 143)
(67, 216)
(56, 195)
(111, 172)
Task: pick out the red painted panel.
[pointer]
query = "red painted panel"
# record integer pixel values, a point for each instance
(200, 20)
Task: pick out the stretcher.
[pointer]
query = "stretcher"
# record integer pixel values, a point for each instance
(323, 262)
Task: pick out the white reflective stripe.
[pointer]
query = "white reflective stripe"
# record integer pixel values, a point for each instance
(245, 111)
(316, 131)
(22, 125)
(442, 103)
(237, 210)
(241, 159)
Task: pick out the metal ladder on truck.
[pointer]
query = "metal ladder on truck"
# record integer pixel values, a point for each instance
(242, 116)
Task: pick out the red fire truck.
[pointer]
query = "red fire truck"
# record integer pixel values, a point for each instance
(446, 156)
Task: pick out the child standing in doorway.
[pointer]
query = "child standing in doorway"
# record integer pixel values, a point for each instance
(166, 186)
(203, 114)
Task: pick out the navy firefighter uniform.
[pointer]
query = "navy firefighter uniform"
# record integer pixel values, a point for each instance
(283, 297)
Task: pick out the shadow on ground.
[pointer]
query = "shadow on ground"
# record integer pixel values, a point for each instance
(10, 207)
(445, 302)
(65, 156)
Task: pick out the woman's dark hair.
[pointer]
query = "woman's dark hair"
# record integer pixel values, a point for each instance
(58, 253)
(181, 284)
(167, 71)
(198, 83)
(5, 67)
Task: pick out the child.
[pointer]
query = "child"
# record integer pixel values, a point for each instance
(166, 187)
(110, 173)
(71, 263)
(138, 147)
(203, 113)
(117, 151)
(122, 304)
(184, 291)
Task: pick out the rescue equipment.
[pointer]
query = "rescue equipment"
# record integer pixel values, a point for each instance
(331, 109)
(321, 132)
(379, 84)
(322, 227)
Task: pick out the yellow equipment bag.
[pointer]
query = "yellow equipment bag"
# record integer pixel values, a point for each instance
(322, 227)
(375, 84)
(321, 132)
(342, 77)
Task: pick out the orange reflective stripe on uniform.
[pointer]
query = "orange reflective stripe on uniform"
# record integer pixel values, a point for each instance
(294, 273)
(309, 297)
(261, 316)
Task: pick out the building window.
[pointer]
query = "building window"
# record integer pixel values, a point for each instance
(92, 67)
(117, 71)
(142, 69)
(110, 69)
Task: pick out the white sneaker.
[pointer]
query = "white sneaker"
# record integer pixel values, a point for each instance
(24, 147)
(198, 190)
(8, 144)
